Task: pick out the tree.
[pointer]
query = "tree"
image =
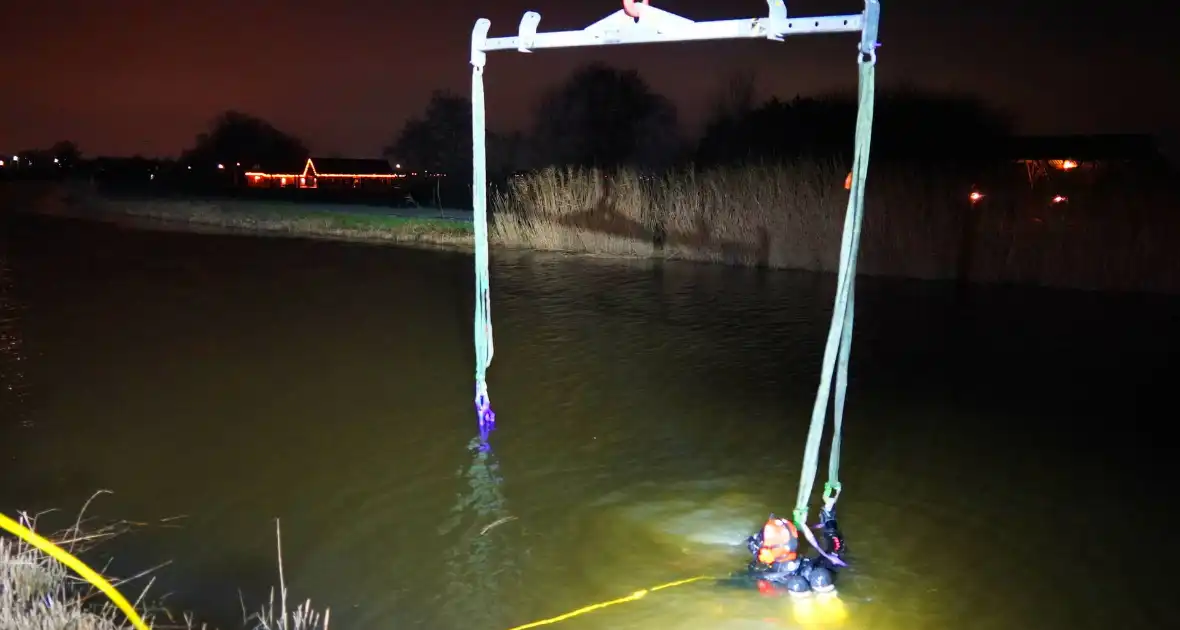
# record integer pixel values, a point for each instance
(908, 124)
(236, 137)
(440, 140)
(736, 97)
(66, 153)
(608, 118)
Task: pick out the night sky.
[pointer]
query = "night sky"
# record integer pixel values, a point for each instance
(144, 76)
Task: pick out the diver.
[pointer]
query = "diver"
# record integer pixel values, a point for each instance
(777, 564)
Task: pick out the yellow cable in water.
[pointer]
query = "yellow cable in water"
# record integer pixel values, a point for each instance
(64, 557)
(637, 595)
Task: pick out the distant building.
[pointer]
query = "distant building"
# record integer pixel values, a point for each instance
(325, 173)
(1043, 155)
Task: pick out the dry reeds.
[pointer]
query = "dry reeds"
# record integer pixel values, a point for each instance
(303, 617)
(918, 224)
(39, 593)
(1113, 233)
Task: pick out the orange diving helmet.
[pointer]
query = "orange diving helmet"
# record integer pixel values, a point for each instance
(780, 540)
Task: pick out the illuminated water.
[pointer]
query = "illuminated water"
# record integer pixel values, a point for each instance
(1003, 466)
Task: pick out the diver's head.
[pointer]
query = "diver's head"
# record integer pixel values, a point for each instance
(780, 540)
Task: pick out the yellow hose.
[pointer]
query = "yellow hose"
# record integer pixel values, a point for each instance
(637, 595)
(64, 557)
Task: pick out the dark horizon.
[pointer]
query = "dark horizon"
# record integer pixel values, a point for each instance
(146, 80)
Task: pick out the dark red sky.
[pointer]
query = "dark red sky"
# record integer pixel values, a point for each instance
(144, 76)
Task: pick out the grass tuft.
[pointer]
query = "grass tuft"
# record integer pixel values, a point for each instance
(39, 593)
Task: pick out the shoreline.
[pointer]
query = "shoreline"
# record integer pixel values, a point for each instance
(446, 229)
(571, 214)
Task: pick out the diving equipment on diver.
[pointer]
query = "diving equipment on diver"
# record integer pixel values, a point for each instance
(776, 564)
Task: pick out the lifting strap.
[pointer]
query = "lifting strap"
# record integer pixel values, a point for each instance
(639, 23)
(839, 344)
(484, 346)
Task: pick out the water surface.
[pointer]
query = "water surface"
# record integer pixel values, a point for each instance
(1004, 462)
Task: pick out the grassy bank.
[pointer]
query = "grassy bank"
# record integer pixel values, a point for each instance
(1114, 234)
(300, 220)
(276, 218)
(39, 593)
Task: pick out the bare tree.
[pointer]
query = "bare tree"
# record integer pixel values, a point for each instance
(606, 117)
(237, 137)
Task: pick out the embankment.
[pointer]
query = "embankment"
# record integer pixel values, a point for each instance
(1115, 232)
(443, 228)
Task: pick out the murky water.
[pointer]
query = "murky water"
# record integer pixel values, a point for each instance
(1005, 453)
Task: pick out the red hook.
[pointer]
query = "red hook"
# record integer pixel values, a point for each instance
(629, 8)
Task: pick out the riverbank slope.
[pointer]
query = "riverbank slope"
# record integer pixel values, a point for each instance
(1116, 234)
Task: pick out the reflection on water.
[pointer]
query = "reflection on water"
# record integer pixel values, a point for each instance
(480, 558)
(14, 362)
(1001, 458)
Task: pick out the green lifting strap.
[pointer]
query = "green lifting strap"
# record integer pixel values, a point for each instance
(659, 25)
(840, 332)
(484, 348)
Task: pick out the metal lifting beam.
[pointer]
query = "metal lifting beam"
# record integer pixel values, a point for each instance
(636, 23)
(654, 25)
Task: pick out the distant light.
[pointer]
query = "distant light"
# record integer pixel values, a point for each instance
(237, 163)
(221, 167)
(16, 158)
(397, 166)
(1068, 165)
(1060, 199)
(56, 161)
(976, 196)
(190, 168)
(1, 162)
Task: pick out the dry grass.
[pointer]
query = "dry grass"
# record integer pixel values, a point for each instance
(917, 225)
(542, 212)
(79, 200)
(282, 219)
(1116, 234)
(303, 617)
(39, 593)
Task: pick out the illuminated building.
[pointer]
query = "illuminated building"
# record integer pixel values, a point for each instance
(325, 173)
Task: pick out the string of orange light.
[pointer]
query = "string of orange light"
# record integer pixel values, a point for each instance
(321, 175)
